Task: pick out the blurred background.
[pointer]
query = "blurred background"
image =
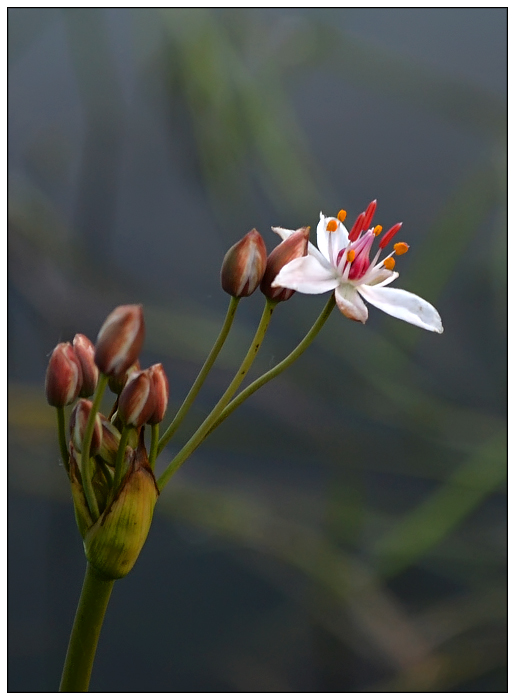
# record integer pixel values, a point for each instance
(344, 530)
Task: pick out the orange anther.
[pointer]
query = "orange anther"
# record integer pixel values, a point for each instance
(351, 255)
(377, 230)
(342, 215)
(389, 263)
(401, 248)
(332, 225)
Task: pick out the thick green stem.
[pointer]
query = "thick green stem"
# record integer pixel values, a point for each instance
(215, 350)
(206, 426)
(86, 444)
(154, 442)
(86, 631)
(61, 432)
(281, 366)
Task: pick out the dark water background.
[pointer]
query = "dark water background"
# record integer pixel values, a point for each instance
(345, 529)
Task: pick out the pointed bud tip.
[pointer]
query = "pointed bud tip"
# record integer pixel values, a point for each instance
(244, 265)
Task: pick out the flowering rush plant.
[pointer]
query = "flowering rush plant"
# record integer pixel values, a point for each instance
(109, 459)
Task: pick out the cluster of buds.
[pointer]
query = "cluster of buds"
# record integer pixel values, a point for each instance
(115, 530)
(247, 267)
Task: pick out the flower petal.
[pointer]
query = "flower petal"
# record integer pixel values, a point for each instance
(350, 304)
(404, 305)
(331, 242)
(283, 232)
(306, 275)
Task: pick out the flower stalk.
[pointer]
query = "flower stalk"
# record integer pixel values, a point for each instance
(61, 433)
(89, 617)
(281, 366)
(197, 384)
(86, 444)
(209, 422)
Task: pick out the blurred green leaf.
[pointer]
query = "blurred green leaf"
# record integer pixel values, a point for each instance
(418, 532)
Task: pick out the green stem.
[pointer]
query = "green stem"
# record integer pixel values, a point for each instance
(120, 458)
(86, 444)
(61, 431)
(206, 426)
(154, 442)
(85, 633)
(174, 425)
(281, 366)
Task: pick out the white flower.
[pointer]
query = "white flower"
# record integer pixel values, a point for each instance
(342, 263)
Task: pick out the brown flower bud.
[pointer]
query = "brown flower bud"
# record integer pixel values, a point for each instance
(244, 265)
(117, 382)
(110, 441)
(161, 393)
(120, 340)
(293, 247)
(63, 376)
(85, 351)
(137, 402)
(78, 422)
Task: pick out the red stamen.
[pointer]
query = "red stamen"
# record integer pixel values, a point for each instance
(357, 228)
(389, 235)
(369, 214)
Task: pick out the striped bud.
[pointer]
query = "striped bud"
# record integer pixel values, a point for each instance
(85, 351)
(161, 393)
(117, 382)
(244, 265)
(78, 422)
(295, 246)
(120, 340)
(110, 441)
(63, 376)
(136, 403)
(114, 542)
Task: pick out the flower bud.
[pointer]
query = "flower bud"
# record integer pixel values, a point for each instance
(78, 422)
(244, 265)
(295, 246)
(85, 351)
(137, 402)
(63, 376)
(120, 340)
(110, 440)
(114, 542)
(161, 393)
(117, 382)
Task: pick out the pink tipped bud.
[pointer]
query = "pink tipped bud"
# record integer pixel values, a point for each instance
(244, 265)
(357, 228)
(295, 246)
(85, 351)
(110, 441)
(117, 382)
(369, 215)
(389, 235)
(137, 402)
(120, 340)
(63, 376)
(78, 422)
(161, 393)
